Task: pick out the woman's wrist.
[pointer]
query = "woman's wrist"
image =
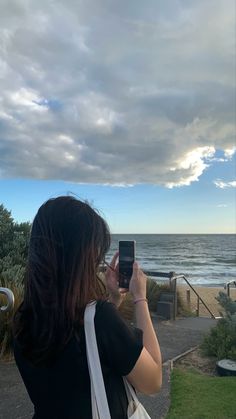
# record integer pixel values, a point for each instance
(139, 296)
(140, 300)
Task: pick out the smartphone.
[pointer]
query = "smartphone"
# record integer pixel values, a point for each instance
(126, 260)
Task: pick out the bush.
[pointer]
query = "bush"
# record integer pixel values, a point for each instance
(6, 318)
(14, 241)
(154, 291)
(221, 341)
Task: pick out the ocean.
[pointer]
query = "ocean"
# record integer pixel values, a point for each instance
(204, 259)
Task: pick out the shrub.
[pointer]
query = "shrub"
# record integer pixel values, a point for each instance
(221, 340)
(154, 291)
(6, 318)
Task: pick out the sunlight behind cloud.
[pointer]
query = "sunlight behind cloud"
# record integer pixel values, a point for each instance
(230, 152)
(194, 164)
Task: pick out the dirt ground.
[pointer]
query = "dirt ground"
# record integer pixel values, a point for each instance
(199, 362)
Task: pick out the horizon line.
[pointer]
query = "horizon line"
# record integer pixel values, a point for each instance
(163, 234)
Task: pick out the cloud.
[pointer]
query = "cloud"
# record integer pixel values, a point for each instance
(114, 92)
(229, 152)
(223, 185)
(192, 166)
(222, 206)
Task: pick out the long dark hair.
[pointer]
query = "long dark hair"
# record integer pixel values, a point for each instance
(67, 244)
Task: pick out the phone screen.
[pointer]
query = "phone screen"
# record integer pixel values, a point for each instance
(126, 260)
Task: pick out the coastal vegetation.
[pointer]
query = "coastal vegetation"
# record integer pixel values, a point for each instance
(221, 341)
(14, 239)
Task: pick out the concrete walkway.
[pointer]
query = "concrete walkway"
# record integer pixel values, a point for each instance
(174, 337)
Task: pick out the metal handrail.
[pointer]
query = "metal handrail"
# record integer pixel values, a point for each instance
(198, 296)
(227, 286)
(173, 277)
(10, 299)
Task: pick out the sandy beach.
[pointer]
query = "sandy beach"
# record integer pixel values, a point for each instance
(208, 295)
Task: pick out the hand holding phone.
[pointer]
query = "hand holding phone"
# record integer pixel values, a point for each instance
(112, 275)
(138, 283)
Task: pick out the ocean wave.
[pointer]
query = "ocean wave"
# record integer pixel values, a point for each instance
(206, 259)
(224, 260)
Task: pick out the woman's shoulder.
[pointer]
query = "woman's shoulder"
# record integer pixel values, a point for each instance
(119, 343)
(107, 315)
(105, 308)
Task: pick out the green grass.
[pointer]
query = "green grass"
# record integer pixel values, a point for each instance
(198, 396)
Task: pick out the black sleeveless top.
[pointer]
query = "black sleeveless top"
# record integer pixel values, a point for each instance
(62, 391)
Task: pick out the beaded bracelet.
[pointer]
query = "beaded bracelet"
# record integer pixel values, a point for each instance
(140, 299)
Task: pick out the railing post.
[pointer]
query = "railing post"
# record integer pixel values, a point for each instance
(227, 286)
(198, 306)
(188, 298)
(176, 300)
(173, 288)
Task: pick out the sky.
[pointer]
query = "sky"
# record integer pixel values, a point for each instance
(129, 105)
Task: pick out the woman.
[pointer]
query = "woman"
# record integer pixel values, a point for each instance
(68, 242)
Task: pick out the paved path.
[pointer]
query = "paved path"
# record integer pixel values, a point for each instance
(174, 337)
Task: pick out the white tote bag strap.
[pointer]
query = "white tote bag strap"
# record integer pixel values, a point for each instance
(131, 394)
(100, 406)
(135, 408)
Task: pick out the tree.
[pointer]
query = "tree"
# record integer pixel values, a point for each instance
(14, 239)
(6, 231)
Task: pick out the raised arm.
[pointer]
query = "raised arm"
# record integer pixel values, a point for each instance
(146, 376)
